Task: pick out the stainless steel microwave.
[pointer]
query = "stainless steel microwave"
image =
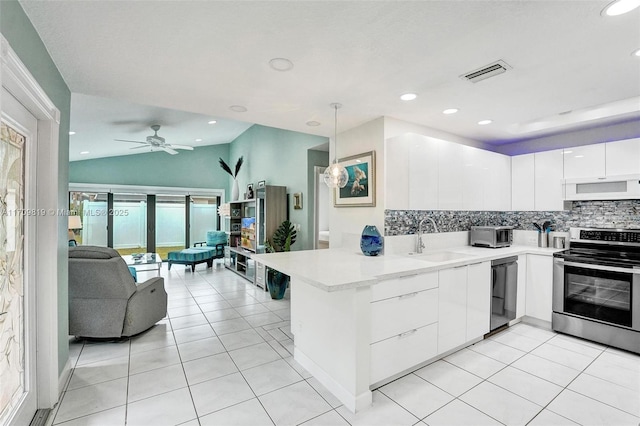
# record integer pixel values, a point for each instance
(491, 236)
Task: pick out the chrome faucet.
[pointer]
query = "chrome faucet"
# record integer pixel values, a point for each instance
(420, 244)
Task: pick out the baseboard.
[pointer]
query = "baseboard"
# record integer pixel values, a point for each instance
(536, 322)
(64, 378)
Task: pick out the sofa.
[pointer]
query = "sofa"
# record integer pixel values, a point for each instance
(104, 299)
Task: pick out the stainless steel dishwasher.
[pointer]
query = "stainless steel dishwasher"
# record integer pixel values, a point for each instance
(504, 287)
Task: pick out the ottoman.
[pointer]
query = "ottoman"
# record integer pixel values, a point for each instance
(192, 256)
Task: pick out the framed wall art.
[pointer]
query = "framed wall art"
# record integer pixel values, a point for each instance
(361, 186)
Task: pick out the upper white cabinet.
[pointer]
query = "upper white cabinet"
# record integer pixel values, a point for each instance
(450, 176)
(423, 173)
(622, 157)
(548, 190)
(497, 181)
(522, 182)
(584, 162)
(396, 164)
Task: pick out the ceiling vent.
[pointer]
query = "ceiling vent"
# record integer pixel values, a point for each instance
(487, 71)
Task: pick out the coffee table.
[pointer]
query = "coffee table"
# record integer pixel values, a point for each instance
(146, 259)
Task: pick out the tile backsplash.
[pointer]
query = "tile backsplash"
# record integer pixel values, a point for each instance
(592, 214)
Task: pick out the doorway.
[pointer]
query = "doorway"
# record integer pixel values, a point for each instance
(18, 137)
(322, 209)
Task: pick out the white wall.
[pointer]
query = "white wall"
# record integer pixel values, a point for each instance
(346, 223)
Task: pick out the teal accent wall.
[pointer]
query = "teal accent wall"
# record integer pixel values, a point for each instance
(314, 158)
(24, 40)
(188, 169)
(278, 157)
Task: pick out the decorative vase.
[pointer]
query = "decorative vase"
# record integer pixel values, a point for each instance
(235, 191)
(371, 241)
(277, 282)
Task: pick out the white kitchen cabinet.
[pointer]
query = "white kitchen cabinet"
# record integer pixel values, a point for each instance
(478, 300)
(450, 181)
(402, 314)
(523, 182)
(584, 161)
(401, 352)
(452, 308)
(623, 157)
(397, 172)
(539, 286)
(473, 178)
(423, 171)
(464, 303)
(548, 175)
(521, 297)
(404, 330)
(497, 181)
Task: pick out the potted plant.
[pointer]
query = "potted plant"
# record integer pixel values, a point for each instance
(235, 190)
(283, 238)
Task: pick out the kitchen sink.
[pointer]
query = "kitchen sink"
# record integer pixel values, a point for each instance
(441, 256)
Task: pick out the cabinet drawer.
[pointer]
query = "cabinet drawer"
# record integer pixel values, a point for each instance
(390, 317)
(399, 286)
(400, 353)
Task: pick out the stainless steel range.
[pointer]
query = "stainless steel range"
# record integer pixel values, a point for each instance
(596, 287)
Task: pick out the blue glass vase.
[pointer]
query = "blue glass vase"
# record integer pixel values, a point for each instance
(371, 241)
(277, 282)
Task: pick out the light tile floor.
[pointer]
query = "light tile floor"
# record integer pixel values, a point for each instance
(223, 356)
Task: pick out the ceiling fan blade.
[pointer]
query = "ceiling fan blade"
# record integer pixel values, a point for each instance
(141, 146)
(123, 140)
(190, 148)
(169, 150)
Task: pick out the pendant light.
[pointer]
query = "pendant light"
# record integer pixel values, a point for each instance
(335, 176)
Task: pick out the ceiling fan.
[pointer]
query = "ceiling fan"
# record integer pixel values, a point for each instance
(158, 142)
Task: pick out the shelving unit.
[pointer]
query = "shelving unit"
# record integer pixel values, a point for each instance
(261, 217)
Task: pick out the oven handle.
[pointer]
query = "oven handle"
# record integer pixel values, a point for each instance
(599, 267)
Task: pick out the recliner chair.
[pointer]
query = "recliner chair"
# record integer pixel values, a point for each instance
(105, 301)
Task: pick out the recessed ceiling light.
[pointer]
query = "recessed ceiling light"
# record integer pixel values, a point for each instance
(450, 111)
(281, 64)
(568, 152)
(238, 108)
(212, 122)
(408, 96)
(84, 152)
(313, 123)
(620, 7)
(198, 140)
(72, 133)
(579, 156)
(636, 53)
(484, 122)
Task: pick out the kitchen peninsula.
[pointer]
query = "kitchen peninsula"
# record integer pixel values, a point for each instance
(359, 322)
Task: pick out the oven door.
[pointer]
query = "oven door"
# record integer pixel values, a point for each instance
(603, 293)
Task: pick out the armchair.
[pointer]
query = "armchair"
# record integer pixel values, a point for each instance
(105, 301)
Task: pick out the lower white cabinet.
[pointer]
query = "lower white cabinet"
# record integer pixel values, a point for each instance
(478, 300)
(522, 286)
(404, 313)
(539, 286)
(401, 352)
(452, 308)
(464, 303)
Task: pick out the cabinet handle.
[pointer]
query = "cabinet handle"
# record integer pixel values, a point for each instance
(3, 313)
(407, 333)
(462, 266)
(406, 296)
(477, 263)
(407, 276)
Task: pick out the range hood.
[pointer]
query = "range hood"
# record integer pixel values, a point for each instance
(604, 188)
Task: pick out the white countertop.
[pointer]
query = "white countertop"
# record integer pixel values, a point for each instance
(341, 269)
